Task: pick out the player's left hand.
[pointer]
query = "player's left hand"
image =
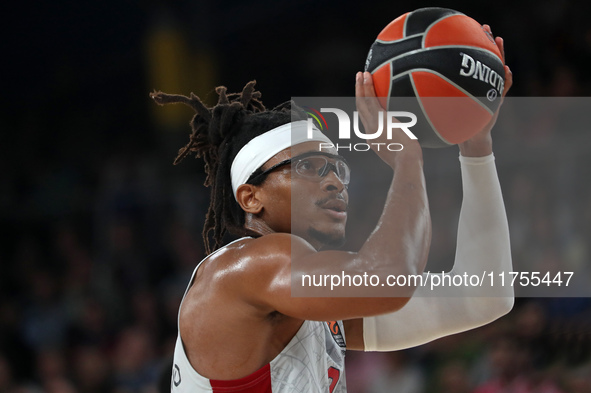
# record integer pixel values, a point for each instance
(481, 143)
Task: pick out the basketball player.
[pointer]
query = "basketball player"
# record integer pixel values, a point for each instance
(240, 330)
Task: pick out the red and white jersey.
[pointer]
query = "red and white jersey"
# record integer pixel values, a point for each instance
(312, 362)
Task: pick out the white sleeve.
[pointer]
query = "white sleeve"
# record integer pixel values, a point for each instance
(482, 246)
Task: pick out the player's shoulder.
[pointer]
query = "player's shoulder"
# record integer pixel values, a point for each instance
(280, 245)
(263, 254)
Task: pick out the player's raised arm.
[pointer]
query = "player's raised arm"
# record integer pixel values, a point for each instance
(482, 247)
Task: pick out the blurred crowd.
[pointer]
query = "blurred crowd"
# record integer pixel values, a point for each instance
(97, 247)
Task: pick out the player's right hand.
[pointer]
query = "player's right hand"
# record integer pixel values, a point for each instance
(369, 109)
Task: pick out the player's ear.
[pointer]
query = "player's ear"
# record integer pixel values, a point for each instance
(247, 197)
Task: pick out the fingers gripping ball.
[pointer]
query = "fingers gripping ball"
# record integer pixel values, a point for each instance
(448, 63)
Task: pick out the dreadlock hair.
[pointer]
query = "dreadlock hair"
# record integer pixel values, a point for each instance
(218, 134)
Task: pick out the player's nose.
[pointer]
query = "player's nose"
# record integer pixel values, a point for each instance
(331, 182)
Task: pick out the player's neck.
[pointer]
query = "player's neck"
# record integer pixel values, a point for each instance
(256, 225)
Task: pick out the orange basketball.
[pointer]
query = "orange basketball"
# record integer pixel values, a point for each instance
(448, 63)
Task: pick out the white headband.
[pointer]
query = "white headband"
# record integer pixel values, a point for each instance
(260, 149)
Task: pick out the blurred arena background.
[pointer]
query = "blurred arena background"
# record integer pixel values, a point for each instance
(99, 232)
